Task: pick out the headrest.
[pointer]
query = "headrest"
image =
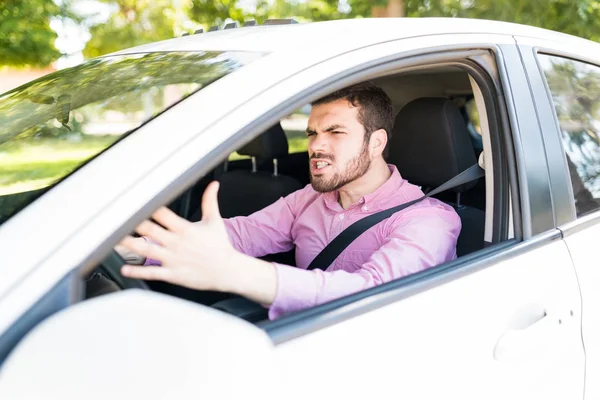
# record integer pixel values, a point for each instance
(430, 143)
(270, 144)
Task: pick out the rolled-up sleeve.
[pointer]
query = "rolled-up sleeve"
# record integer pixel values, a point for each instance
(420, 239)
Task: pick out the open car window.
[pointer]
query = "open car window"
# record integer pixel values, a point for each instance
(52, 126)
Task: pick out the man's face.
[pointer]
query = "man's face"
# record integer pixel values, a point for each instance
(338, 152)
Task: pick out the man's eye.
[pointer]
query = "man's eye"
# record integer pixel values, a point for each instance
(310, 134)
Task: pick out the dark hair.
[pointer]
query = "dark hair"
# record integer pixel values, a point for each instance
(375, 109)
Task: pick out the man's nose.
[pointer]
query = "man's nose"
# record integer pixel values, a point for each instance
(318, 143)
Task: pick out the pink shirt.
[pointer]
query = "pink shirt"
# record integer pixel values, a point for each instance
(416, 238)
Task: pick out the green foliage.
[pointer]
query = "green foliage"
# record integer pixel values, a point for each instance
(25, 34)
(26, 37)
(134, 23)
(576, 17)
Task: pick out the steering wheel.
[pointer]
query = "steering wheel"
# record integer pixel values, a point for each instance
(111, 267)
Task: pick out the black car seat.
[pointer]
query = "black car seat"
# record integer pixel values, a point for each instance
(243, 192)
(430, 144)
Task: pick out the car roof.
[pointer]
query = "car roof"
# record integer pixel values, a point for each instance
(341, 35)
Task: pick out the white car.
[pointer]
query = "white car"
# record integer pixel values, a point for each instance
(89, 152)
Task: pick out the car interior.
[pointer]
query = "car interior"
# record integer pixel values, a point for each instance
(435, 137)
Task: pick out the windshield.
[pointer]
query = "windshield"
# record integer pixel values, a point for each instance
(54, 125)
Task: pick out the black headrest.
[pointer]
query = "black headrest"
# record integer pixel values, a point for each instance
(430, 143)
(270, 144)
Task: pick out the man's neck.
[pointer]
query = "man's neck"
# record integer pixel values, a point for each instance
(376, 176)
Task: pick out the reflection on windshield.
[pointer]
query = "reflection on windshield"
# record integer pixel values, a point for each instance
(52, 126)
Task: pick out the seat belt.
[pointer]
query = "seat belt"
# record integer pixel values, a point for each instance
(328, 255)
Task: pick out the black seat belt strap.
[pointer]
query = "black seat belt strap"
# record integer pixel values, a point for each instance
(328, 255)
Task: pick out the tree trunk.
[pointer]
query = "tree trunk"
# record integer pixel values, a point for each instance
(395, 8)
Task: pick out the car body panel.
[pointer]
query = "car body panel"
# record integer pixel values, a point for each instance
(313, 38)
(474, 336)
(152, 346)
(581, 234)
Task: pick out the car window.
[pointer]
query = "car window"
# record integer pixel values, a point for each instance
(52, 126)
(575, 89)
(294, 126)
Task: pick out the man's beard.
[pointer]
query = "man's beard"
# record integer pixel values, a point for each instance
(355, 168)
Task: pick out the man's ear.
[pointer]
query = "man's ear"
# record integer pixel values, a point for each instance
(377, 142)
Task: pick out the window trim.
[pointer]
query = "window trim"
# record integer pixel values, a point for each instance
(581, 223)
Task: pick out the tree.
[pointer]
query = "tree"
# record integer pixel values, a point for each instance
(25, 34)
(27, 39)
(576, 17)
(137, 22)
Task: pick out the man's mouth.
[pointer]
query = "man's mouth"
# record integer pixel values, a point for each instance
(319, 165)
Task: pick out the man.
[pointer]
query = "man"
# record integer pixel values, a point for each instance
(347, 134)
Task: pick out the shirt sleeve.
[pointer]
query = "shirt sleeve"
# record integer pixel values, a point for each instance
(420, 239)
(267, 231)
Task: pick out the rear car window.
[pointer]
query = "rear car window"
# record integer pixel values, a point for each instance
(52, 126)
(575, 90)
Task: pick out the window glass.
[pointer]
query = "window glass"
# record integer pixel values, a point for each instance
(294, 126)
(575, 89)
(52, 126)
(473, 125)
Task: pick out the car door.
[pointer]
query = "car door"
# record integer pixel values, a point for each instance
(567, 80)
(504, 323)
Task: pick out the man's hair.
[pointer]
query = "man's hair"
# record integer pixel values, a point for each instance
(375, 109)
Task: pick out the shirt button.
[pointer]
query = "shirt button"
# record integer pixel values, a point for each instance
(365, 208)
(341, 216)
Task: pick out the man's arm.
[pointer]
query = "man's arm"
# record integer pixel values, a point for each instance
(202, 257)
(423, 238)
(198, 256)
(267, 231)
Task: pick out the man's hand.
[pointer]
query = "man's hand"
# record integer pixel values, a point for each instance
(199, 256)
(129, 256)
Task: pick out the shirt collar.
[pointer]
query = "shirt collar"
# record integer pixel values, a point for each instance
(391, 185)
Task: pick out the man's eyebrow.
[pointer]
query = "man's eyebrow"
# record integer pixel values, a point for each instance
(329, 129)
(335, 127)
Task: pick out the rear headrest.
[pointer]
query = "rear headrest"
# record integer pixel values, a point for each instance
(270, 144)
(430, 143)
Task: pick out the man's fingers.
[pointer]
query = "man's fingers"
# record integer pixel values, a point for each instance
(170, 220)
(145, 248)
(155, 232)
(146, 273)
(210, 202)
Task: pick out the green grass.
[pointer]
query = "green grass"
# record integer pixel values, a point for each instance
(34, 163)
